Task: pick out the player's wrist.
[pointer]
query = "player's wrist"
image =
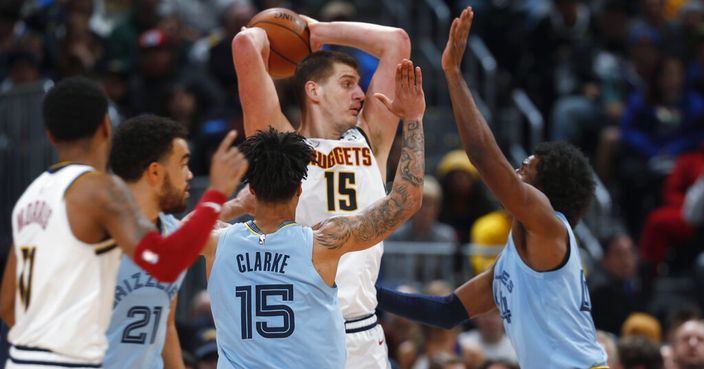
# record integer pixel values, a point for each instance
(214, 198)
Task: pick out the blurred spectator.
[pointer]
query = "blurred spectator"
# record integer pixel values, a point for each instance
(11, 28)
(498, 364)
(688, 345)
(639, 353)
(488, 235)
(79, 50)
(424, 226)
(23, 68)
(446, 361)
(490, 337)
(465, 198)
(202, 15)
(142, 16)
(555, 58)
(665, 229)
(608, 342)
(678, 316)
(438, 340)
(660, 123)
(693, 208)
(615, 290)
(114, 77)
(642, 325)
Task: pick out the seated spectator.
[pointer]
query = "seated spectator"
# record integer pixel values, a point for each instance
(489, 235)
(424, 225)
(688, 345)
(446, 361)
(639, 353)
(206, 352)
(465, 198)
(498, 364)
(490, 337)
(615, 290)
(642, 325)
(665, 228)
(608, 342)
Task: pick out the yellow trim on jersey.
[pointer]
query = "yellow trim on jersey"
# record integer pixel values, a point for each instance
(104, 246)
(76, 180)
(259, 234)
(251, 230)
(60, 164)
(600, 367)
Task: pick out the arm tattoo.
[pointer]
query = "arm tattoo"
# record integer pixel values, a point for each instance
(411, 164)
(385, 215)
(120, 204)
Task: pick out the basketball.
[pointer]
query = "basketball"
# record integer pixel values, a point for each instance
(289, 39)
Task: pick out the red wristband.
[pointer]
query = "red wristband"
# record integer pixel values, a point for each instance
(213, 199)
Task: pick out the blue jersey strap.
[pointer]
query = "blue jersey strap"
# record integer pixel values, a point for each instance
(439, 311)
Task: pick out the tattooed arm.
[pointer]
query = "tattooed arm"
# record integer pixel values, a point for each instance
(338, 235)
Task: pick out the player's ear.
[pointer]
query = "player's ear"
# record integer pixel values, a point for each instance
(299, 191)
(106, 127)
(312, 91)
(154, 174)
(251, 190)
(52, 138)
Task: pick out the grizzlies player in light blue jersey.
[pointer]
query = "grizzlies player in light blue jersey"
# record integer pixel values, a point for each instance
(151, 155)
(272, 282)
(537, 282)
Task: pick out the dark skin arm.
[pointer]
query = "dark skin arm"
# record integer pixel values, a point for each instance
(535, 227)
(540, 235)
(7, 291)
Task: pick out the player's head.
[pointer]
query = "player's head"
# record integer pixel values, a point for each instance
(328, 81)
(153, 149)
(278, 162)
(563, 174)
(74, 109)
(639, 352)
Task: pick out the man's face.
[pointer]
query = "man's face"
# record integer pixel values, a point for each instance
(174, 189)
(341, 97)
(688, 347)
(620, 260)
(528, 170)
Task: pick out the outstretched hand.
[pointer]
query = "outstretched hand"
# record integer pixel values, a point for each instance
(409, 99)
(457, 40)
(228, 166)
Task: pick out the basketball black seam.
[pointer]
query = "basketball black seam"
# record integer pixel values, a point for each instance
(283, 57)
(297, 35)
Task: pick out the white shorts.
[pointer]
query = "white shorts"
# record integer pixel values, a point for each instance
(30, 358)
(366, 345)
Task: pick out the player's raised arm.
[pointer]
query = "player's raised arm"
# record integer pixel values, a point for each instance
(260, 103)
(163, 258)
(343, 234)
(390, 45)
(528, 205)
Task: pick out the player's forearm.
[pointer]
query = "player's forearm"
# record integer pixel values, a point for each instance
(7, 292)
(374, 39)
(476, 136)
(439, 311)
(408, 182)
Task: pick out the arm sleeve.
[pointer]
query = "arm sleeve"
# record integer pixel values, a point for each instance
(439, 311)
(165, 258)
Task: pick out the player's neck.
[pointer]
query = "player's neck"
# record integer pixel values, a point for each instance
(147, 202)
(315, 125)
(270, 216)
(82, 154)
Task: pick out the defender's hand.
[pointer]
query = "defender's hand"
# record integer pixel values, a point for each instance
(457, 41)
(228, 166)
(242, 204)
(409, 99)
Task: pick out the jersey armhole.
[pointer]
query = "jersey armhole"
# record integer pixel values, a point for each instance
(366, 138)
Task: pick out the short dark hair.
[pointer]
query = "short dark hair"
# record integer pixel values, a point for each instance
(565, 177)
(74, 109)
(278, 162)
(317, 67)
(639, 352)
(140, 141)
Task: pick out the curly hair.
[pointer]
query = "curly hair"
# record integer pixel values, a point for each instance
(278, 162)
(74, 109)
(564, 175)
(140, 141)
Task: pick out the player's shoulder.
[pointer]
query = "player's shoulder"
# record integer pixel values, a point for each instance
(95, 188)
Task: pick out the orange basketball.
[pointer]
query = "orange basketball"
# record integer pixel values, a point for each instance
(289, 39)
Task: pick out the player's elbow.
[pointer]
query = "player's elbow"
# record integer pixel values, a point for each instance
(245, 42)
(401, 43)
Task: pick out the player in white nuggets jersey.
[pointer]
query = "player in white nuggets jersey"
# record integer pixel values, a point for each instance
(59, 281)
(537, 282)
(142, 332)
(331, 100)
(272, 284)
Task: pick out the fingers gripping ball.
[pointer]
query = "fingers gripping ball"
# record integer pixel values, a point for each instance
(289, 39)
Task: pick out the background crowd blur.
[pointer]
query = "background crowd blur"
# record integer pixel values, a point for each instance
(622, 79)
